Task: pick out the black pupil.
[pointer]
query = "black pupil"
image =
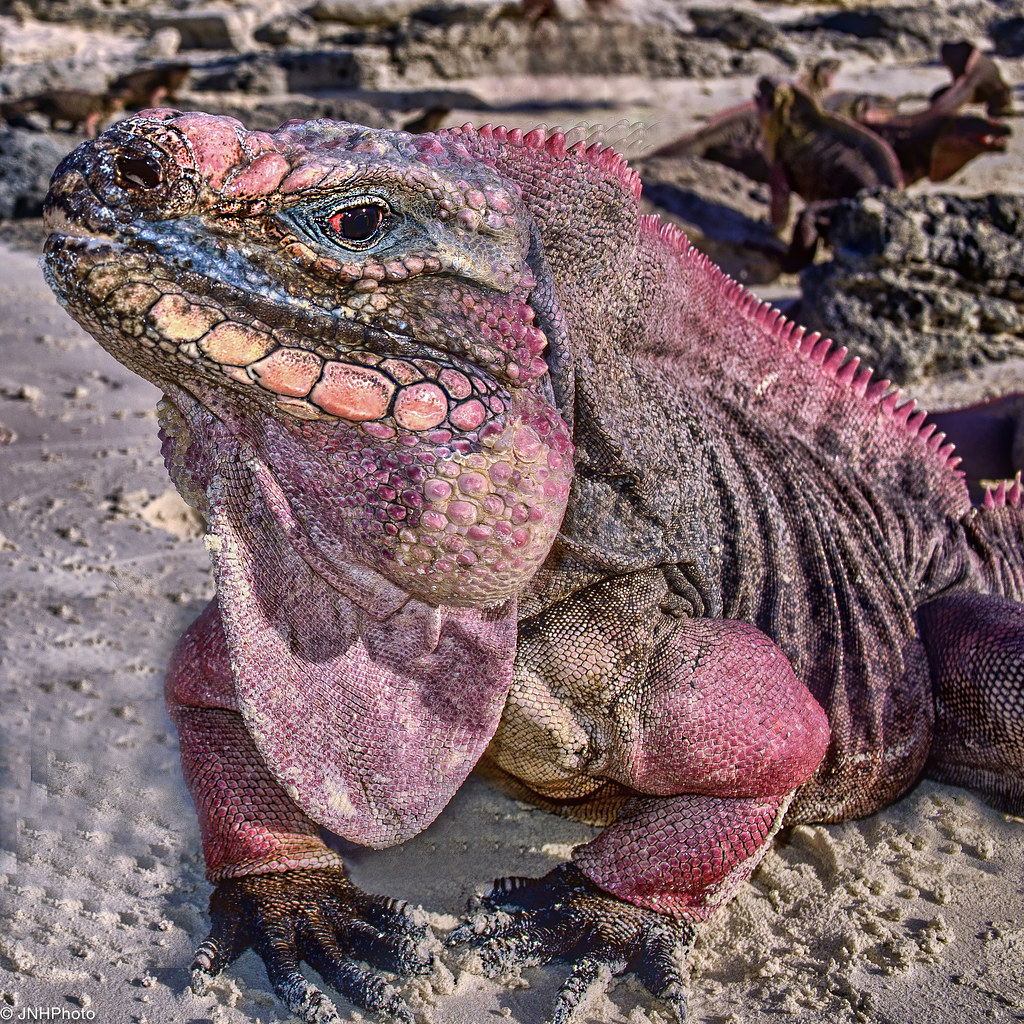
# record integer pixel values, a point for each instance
(137, 171)
(358, 223)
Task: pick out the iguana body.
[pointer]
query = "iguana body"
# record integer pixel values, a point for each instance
(939, 140)
(824, 157)
(145, 87)
(733, 136)
(935, 145)
(976, 79)
(491, 461)
(820, 156)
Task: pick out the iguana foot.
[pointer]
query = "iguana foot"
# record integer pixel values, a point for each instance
(565, 918)
(318, 916)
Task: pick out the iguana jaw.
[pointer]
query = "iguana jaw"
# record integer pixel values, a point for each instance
(964, 138)
(270, 349)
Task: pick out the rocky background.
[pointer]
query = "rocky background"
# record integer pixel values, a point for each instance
(914, 914)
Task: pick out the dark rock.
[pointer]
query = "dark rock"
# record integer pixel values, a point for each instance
(259, 75)
(1008, 37)
(332, 69)
(491, 46)
(741, 30)
(429, 120)
(894, 31)
(27, 160)
(206, 28)
(447, 14)
(288, 30)
(922, 284)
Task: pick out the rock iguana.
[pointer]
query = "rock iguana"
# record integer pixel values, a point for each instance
(495, 466)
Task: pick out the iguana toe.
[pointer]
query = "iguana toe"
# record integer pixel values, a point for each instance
(320, 917)
(565, 918)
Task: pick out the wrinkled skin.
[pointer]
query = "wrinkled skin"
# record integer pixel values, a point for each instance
(494, 468)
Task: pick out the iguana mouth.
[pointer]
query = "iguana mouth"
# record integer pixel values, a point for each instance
(992, 141)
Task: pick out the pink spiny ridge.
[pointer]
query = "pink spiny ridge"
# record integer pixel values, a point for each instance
(808, 347)
(835, 361)
(820, 352)
(556, 144)
(807, 343)
(915, 425)
(888, 404)
(1007, 494)
(675, 237)
(876, 390)
(534, 139)
(814, 349)
(603, 158)
(787, 332)
(901, 414)
(860, 383)
(848, 371)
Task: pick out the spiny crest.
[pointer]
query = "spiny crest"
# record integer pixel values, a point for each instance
(603, 158)
(811, 347)
(1006, 494)
(674, 238)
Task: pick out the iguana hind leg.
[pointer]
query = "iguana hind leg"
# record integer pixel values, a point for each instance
(975, 645)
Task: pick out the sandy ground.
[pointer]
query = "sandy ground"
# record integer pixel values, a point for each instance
(913, 915)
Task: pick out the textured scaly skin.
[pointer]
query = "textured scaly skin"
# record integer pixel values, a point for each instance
(490, 460)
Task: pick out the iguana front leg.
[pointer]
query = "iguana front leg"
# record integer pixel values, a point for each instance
(701, 719)
(279, 889)
(670, 861)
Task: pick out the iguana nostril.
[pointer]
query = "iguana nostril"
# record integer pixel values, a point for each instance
(135, 172)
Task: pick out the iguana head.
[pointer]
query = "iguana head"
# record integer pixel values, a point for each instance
(786, 110)
(354, 304)
(372, 347)
(961, 139)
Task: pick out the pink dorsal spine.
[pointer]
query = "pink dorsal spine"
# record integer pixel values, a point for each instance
(833, 361)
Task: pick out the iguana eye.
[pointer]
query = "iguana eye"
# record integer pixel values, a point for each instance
(358, 226)
(132, 171)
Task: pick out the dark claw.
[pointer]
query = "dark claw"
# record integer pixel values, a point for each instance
(565, 918)
(574, 990)
(318, 916)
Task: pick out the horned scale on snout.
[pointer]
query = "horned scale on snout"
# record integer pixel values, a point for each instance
(491, 462)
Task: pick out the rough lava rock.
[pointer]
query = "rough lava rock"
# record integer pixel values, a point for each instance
(1008, 37)
(902, 31)
(921, 285)
(27, 160)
